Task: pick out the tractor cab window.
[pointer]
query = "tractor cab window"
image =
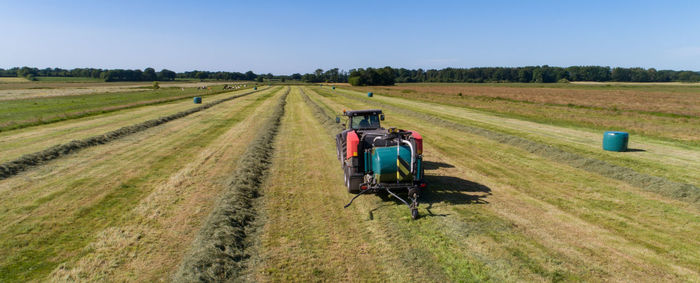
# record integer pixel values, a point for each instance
(363, 122)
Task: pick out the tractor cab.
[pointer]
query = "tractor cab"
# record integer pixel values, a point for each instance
(363, 120)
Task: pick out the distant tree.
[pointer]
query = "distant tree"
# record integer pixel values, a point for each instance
(296, 76)
(149, 74)
(201, 76)
(26, 72)
(249, 76)
(166, 75)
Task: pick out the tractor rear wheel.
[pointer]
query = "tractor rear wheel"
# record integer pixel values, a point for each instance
(353, 184)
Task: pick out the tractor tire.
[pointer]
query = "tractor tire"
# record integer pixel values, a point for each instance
(353, 184)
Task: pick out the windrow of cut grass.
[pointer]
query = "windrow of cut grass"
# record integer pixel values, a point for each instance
(322, 115)
(220, 249)
(22, 113)
(27, 161)
(660, 185)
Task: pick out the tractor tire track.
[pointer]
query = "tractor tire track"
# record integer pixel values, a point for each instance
(684, 192)
(220, 250)
(27, 161)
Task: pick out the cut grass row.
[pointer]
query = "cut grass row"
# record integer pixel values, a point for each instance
(21, 113)
(663, 186)
(27, 161)
(59, 215)
(538, 220)
(220, 250)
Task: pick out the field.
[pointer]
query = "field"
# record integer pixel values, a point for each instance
(144, 185)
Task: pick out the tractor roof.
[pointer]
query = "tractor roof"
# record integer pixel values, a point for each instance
(363, 112)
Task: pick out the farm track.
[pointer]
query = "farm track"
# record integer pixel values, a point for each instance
(498, 212)
(125, 210)
(661, 185)
(27, 161)
(220, 250)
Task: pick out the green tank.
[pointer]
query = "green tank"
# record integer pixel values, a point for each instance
(388, 168)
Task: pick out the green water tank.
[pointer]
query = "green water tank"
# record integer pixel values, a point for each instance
(615, 141)
(369, 94)
(384, 164)
(197, 100)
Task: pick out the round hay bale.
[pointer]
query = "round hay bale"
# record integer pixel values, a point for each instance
(615, 141)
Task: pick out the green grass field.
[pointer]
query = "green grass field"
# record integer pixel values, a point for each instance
(519, 188)
(20, 113)
(69, 79)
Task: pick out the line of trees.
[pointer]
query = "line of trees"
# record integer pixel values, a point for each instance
(384, 76)
(117, 75)
(545, 74)
(529, 74)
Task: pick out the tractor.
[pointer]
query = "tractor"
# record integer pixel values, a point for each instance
(377, 160)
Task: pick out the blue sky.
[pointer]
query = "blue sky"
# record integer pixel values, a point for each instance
(284, 37)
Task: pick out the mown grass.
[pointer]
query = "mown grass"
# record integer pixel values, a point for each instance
(643, 114)
(69, 79)
(21, 113)
(27, 161)
(653, 87)
(435, 247)
(649, 160)
(12, 80)
(541, 220)
(220, 251)
(661, 185)
(34, 246)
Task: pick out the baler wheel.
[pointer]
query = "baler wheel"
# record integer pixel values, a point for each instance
(414, 213)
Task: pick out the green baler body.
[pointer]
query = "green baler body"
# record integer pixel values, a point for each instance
(384, 164)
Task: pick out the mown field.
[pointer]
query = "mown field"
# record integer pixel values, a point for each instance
(248, 188)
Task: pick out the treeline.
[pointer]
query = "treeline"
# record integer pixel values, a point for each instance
(115, 75)
(545, 74)
(120, 75)
(532, 74)
(384, 76)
